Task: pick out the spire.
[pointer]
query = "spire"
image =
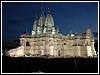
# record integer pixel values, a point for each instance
(57, 29)
(89, 32)
(76, 33)
(42, 13)
(34, 31)
(90, 25)
(49, 11)
(25, 32)
(71, 32)
(36, 17)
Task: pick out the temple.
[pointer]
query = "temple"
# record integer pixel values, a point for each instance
(46, 39)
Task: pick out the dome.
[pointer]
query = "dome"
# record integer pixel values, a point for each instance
(35, 24)
(41, 21)
(49, 22)
(70, 35)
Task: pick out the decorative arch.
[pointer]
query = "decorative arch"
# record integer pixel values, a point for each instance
(27, 43)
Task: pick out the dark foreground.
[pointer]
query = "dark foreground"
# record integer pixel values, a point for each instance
(56, 65)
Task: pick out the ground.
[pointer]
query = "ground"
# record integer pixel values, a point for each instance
(55, 65)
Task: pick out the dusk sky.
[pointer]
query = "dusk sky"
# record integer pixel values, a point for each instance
(17, 17)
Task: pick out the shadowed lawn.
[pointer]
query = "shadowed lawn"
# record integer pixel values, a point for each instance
(55, 65)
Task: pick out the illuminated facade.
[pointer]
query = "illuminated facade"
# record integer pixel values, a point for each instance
(47, 40)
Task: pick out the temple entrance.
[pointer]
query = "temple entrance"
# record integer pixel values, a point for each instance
(27, 44)
(58, 52)
(40, 52)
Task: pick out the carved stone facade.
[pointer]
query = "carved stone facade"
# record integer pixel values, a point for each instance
(47, 40)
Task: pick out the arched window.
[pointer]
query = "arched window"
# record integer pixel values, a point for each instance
(40, 52)
(58, 52)
(27, 43)
(64, 43)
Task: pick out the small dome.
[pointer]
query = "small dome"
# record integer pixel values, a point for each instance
(70, 35)
(49, 21)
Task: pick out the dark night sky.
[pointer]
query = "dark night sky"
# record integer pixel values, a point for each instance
(18, 17)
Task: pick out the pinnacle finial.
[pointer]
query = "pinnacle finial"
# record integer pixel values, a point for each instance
(36, 17)
(26, 30)
(90, 25)
(76, 33)
(42, 13)
(57, 29)
(49, 10)
(70, 31)
(41, 8)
